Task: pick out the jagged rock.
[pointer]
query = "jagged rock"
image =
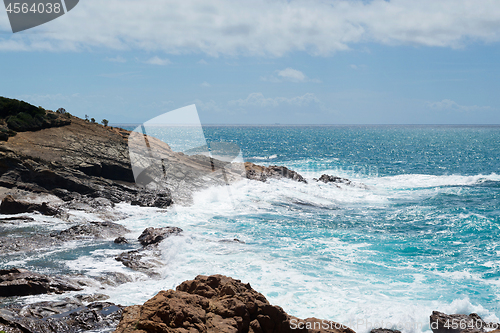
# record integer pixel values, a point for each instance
(120, 240)
(148, 199)
(92, 298)
(333, 179)
(472, 323)
(92, 229)
(214, 304)
(262, 173)
(10, 205)
(68, 316)
(66, 195)
(114, 278)
(147, 259)
(155, 235)
(21, 282)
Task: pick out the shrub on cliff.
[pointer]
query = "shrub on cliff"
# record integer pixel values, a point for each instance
(19, 116)
(12, 107)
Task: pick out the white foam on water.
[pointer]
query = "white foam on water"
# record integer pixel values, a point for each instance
(412, 181)
(323, 283)
(309, 274)
(264, 158)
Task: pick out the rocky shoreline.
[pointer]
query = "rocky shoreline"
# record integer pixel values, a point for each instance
(70, 171)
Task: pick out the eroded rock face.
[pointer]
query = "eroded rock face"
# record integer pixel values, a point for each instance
(68, 316)
(262, 173)
(459, 323)
(10, 205)
(21, 282)
(73, 161)
(213, 304)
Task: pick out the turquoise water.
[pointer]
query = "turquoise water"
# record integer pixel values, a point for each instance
(430, 235)
(422, 236)
(418, 232)
(438, 226)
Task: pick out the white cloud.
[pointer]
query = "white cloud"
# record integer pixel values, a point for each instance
(260, 27)
(202, 62)
(258, 99)
(119, 59)
(289, 74)
(205, 84)
(158, 61)
(447, 104)
(292, 75)
(356, 67)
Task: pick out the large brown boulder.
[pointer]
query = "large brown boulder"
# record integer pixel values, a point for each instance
(216, 304)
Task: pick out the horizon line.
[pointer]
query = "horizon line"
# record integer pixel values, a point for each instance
(278, 124)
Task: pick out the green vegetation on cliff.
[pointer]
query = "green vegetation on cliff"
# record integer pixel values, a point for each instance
(19, 116)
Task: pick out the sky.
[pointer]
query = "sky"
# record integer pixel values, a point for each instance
(263, 61)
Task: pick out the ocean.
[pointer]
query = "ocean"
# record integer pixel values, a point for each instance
(416, 231)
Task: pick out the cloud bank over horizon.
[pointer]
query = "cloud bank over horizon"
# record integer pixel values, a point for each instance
(259, 27)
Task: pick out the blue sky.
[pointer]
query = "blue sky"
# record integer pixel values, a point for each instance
(263, 62)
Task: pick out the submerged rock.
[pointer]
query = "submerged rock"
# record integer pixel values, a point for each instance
(215, 304)
(21, 282)
(69, 316)
(32, 243)
(10, 205)
(262, 173)
(234, 240)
